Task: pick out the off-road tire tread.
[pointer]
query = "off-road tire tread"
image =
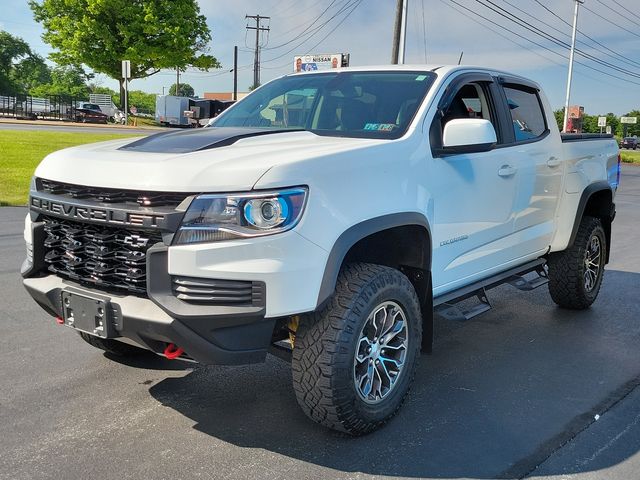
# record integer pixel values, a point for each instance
(565, 279)
(318, 341)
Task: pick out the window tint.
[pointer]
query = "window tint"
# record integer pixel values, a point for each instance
(470, 101)
(352, 104)
(526, 113)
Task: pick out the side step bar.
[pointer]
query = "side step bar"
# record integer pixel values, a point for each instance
(447, 304)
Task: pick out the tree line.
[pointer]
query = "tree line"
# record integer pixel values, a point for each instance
(96, 35)
(590, 123)
(23, 71)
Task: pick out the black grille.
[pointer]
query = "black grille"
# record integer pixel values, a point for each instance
(111, 195)
(107, 258)
(218, 292)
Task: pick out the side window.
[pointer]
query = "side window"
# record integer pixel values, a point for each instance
(527, 116)
(469, 102)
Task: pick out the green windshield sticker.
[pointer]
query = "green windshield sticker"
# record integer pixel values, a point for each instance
(380, 127)
(420, 78)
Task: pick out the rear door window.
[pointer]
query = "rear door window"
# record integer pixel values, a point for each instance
(527, 116)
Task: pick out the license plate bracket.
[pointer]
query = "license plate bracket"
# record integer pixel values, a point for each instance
(87, 314)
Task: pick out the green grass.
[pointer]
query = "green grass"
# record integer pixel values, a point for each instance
(630, 156)
(22, 151)
(143, 121)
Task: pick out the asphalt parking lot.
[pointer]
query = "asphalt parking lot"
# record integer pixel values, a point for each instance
(514, 393)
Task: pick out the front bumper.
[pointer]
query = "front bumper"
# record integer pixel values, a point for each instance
(228, 339)
(285, 271)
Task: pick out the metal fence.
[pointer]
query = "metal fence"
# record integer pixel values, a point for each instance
(54, 107)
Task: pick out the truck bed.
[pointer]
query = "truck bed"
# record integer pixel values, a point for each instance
(574, 137)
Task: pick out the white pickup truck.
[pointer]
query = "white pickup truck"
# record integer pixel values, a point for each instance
(324, 218)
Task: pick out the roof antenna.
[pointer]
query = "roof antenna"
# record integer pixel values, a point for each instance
(460, 59)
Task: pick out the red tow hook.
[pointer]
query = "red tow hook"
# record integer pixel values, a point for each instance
(59, 320)
(172, 351)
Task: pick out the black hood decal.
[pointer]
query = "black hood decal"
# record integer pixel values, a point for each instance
(185, 141)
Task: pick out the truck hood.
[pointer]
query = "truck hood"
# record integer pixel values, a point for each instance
(207, 160)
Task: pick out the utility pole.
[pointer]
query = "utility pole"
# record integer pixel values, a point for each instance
(177, 82)
(570, 75)
(235, 72)
(126, 75)
(399, 33)
(256, 59)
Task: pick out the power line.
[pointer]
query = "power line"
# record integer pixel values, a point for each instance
(301, 12)
(613, 52)
(474, 19)
(603, 48)
(259, 29)
(625, 8)
(416, 26)
(620, 14)
(543, 46)
(352, 3)
(356, 4)
(304, 28)
(200, 74)
(611, 22)
(308, 27)
(522, 23)
(537, 19)
(522, 45)
(283, 7)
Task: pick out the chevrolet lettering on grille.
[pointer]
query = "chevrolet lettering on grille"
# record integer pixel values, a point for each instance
(96, 214)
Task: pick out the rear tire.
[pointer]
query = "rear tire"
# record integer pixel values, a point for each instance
(112, 346)
(575, 275)
(346, 377)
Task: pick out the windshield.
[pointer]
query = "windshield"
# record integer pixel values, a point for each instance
(348, 104)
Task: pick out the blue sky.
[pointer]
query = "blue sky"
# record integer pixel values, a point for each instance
(450, 26)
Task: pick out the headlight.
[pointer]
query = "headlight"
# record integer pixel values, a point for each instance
(212, 217)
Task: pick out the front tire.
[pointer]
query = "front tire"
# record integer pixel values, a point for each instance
(354, 360)
(575, 275)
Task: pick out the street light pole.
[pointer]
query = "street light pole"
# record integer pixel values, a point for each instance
(571, 55)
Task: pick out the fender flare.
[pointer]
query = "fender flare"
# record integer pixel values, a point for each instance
(587, 193)
(357, 232)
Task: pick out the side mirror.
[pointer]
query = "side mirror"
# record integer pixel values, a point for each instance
(468, 135)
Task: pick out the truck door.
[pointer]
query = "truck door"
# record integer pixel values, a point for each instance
(473, 193)
(537, 154)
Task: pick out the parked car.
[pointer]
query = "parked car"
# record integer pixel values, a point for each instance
(629, 142)
(90, 113)
(324, 218)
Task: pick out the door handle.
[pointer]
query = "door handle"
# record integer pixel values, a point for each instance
(553, 162)
(507, 170)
